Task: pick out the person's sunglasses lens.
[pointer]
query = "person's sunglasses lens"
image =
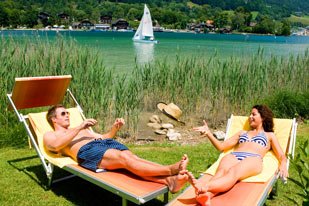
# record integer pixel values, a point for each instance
(64, 113)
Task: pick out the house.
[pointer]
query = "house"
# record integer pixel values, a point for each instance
(43, 17)
(84, 24)
(225, 30)
(106, 19)
(120, 24)
(64, 18)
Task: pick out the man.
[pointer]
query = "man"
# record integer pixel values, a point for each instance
(96, 151)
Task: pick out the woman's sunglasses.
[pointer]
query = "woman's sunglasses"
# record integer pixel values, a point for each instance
(64, 113)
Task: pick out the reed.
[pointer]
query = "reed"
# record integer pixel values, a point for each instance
(203, 87)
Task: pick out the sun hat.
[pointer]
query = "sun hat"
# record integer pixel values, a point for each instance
(170, 110)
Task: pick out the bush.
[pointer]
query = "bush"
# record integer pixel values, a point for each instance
(300, 163)
(289, 104)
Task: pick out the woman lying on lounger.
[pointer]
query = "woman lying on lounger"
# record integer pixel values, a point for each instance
(247, 158)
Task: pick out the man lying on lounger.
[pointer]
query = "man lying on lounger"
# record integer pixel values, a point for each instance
(96, 151)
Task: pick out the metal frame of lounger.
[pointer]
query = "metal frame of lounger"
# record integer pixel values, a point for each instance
(49, 167)
(291, 150)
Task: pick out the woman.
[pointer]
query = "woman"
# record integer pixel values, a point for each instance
(247, 158)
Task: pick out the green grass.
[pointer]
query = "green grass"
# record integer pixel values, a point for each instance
(254, 14)
(191, 4)
(23, 181)
(304, 20)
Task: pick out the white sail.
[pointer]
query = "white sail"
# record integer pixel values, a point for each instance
(147, 23)
(145, 28)
(138, 33)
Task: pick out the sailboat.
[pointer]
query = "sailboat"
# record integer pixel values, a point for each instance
(144, 32)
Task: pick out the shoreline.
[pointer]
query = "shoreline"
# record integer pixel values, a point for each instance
(169, 31)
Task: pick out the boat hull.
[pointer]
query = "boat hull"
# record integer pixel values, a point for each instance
(146, 41)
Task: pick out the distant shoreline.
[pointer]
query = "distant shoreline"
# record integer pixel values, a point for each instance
(169, 31)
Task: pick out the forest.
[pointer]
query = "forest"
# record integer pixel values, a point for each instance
(269, 16)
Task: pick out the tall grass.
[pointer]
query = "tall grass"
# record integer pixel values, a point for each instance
(203, 87)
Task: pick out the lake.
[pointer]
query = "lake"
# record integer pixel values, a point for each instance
(120, 52)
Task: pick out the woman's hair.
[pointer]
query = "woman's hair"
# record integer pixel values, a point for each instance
(52, 113)
(267, 117)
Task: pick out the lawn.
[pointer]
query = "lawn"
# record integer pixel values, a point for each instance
(303, 20)
(23, 181)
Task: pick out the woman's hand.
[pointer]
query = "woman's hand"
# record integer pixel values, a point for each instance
(119, 122)
(203, 129)
(283, 170)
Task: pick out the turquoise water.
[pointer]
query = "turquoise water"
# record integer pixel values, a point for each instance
(120, 52)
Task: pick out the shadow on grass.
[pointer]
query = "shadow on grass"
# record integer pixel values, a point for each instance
(75, 190)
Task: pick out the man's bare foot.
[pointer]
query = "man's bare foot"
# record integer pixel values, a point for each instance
(204, 198)
(184, 162)
(180, 166)
(176, 182)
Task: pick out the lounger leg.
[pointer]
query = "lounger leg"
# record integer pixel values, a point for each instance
(124, 202)
(50, 176)
(165, 198)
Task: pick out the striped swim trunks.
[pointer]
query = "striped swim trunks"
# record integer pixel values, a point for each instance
(242, 155)
(92, 153)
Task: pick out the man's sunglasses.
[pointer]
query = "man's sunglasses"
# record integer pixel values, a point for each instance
(64, 113)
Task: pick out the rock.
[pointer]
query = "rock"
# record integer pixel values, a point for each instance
(167, 126)
(160, 131)
(219, 135)
(154, 125)
(155, 119)
(172, 135)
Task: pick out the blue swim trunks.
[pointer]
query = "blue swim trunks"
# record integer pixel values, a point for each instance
(92, 153)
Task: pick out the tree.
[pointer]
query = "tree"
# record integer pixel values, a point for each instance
(30, 19)
(220, 19)
(132, 14)
(238, 21)
(4, 20)
(266, 26)
(14, 18)
(246, 14)
(119, 12)
(169, 17)
(286, 28)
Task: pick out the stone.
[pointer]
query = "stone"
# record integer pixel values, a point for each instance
(167, 126)
(172, 135)
(155, 119)
(154, 125)
(220, 135)
(160, 131)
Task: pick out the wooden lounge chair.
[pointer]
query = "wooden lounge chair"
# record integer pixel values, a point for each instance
(253, 190)
(45, 91)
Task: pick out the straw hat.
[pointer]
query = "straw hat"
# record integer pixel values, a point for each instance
(170, 110)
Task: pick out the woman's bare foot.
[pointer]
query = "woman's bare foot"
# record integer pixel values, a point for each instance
(204, 198)
(176, 182)
(193, 181)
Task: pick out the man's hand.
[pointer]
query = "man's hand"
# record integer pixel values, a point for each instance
(119, 122)
(88, 123)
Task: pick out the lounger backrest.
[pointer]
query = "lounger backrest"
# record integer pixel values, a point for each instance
(282, 129)
(41, 126)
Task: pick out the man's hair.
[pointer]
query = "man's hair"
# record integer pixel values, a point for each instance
(267, 117)
(52, 113)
